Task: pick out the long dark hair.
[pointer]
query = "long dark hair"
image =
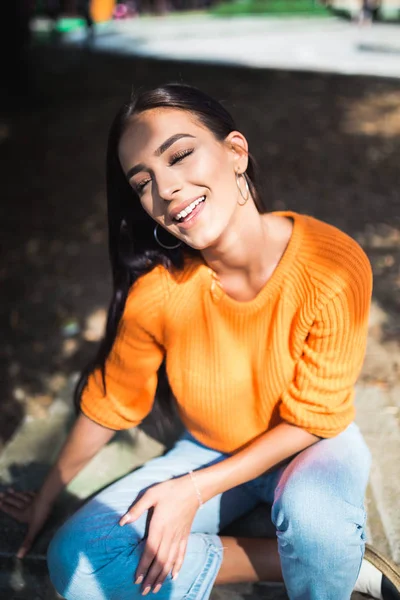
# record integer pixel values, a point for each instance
(133, 249)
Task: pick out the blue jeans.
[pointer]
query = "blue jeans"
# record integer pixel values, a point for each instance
(317, 509)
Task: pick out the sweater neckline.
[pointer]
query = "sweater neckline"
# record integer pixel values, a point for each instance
(272, 286)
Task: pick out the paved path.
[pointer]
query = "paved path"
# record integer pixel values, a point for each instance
(327, 45)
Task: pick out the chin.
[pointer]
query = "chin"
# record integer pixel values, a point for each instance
(203, 237)
(201, 242)
(196, 245)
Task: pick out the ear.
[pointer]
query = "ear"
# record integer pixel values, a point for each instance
(239, 148)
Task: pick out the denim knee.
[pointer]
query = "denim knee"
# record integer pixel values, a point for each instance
(83, 547)
(76, 577)
(311, 520)
(63, 557)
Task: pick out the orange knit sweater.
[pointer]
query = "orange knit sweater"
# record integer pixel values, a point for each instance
(237, 369)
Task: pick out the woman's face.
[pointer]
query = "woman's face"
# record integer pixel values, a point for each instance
(184, 176)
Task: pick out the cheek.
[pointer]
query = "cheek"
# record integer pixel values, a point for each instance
(146, 205)
(146, 202)
(149, 205)
(212, 169)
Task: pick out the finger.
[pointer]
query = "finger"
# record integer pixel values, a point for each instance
(14, 501)
(12, 511)
(159, 580)
(137, 510)
(10, 493)
(25, 546)
(149, 553)
(157, 570)
(26, 496)
(180, 558)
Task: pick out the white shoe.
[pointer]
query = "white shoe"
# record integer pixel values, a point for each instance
(379, 577)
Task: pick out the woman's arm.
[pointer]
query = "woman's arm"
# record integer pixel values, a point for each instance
(267, 451)
(85, 439)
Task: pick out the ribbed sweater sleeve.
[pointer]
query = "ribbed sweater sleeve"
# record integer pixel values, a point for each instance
(320, 397)
(131, 367)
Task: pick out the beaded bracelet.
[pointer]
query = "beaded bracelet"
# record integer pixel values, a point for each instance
(196, 487)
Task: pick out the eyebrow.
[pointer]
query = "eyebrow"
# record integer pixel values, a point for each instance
(164, 146)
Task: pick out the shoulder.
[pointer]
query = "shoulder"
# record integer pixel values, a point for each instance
(145, 302)
(148, 288)
(152, 292)
(333, 260)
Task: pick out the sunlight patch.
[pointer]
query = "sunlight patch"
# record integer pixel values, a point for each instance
(95, 325)
(377, 114)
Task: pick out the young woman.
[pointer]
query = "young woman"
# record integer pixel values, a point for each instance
(261, 319)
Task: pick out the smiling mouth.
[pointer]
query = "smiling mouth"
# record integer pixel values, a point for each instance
(185, 214)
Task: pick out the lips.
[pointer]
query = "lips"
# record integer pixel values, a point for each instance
(183, 206)
(193, 217)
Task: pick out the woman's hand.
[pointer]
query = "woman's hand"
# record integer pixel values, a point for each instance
(25, 507)
(174, 505)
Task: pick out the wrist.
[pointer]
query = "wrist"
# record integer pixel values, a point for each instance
(216, 479)
(45, 498)
(196, 489)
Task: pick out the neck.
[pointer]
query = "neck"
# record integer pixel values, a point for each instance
(244, 249)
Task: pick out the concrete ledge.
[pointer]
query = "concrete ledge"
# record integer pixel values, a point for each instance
(378, 422)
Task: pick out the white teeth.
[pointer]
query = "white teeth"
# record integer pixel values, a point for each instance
(189, 208)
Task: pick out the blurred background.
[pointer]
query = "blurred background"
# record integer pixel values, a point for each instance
(315, 86)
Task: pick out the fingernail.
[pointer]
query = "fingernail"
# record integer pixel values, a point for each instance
(139, 579)
(157, 588)
(175, 576)
(146, 590)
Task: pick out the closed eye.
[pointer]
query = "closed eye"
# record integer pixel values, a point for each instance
(175, 158)
(139, 187)
(178, 156)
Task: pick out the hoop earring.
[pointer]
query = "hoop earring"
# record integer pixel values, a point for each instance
(247, 196)
(164, 245)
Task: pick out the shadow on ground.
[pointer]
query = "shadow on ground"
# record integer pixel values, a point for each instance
(327, 145)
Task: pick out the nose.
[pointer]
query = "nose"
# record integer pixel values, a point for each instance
(168, 184)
